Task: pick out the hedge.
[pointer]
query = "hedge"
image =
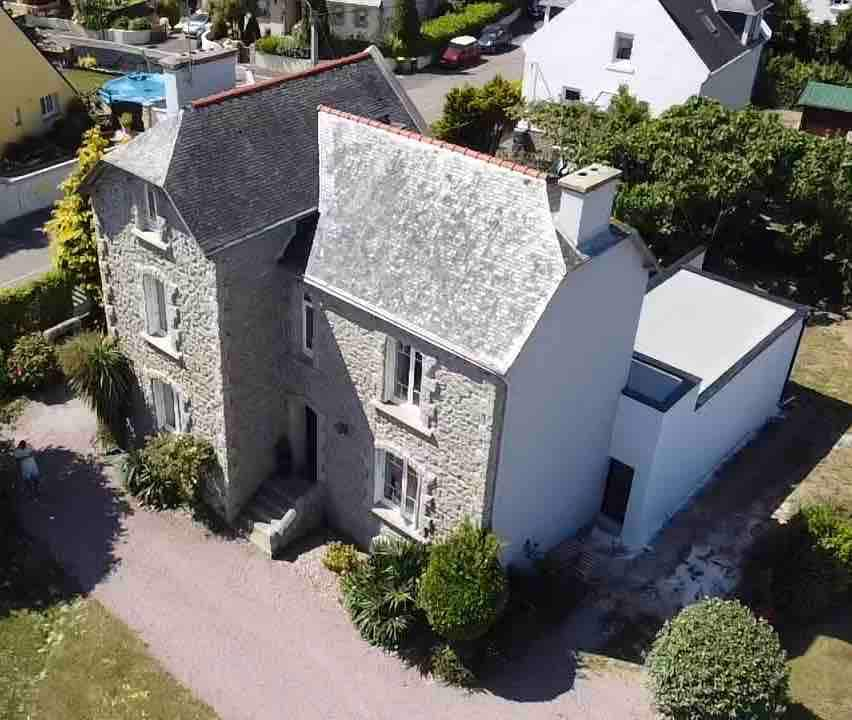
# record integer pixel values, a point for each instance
(38, 305)
(440, 30)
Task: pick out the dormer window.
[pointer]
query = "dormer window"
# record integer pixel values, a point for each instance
(623, 47)
(150, 208)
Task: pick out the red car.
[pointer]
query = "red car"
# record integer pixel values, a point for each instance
(461, 51)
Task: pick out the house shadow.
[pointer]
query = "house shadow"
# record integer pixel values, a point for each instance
(24, 233)
(77, 518)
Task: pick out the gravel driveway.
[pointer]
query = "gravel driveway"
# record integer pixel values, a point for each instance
(250, 636)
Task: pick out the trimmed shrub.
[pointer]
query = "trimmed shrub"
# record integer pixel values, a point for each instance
(100, 373)
(87, 62)
(170, 470)
(341, 558)
(279, 45)
(448, 667)
(464, 585)
(379, 593)
(31, 363)
(35, 306)
(438, 31)
(169, 9)
(717, 661)
(122, 22)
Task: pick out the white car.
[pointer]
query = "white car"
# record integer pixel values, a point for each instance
(196, 24)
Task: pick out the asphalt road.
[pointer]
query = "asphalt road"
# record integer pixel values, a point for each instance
(428, 87)
(24, 249)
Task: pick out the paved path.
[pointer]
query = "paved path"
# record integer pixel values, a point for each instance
(249, 635)
(24, 249)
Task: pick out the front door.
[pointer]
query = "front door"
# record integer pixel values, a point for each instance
(619, 481)
(311, 448)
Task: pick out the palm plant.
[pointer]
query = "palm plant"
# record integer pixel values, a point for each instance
(380, 592)
(100, 373)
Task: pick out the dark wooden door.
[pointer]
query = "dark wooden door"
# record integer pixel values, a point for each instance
(619, 481)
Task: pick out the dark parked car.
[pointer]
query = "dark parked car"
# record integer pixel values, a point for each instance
(534, 10)
(461, 51)
(495, 38)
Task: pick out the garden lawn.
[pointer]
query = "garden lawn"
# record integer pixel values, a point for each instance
(85, 81)
(67, 657)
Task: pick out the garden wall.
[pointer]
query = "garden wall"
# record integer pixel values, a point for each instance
(33, 191)
(280, 63)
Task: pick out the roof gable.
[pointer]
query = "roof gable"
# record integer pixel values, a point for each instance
(458, 250)
(245, 159)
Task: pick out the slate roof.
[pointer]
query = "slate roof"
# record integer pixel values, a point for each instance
(828, 97)
(237, 162)
(710, 36)
(453, 246)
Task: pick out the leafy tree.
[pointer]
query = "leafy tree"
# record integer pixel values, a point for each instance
(232, 15)
(406, 27)
(71, 226)
(478, 118)
(169, 9)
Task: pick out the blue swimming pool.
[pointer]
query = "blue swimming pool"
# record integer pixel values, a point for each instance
(141, 88)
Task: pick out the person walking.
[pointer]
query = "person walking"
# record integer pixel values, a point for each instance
(28, 467)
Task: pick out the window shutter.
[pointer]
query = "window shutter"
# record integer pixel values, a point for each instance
(378, 475)
(177, 410)
(150, 293)
(161, 307)
(159, 404)
(390, 369)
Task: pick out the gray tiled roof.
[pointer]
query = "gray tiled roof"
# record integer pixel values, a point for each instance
(245, 159)
(452, 247)
(710, 36)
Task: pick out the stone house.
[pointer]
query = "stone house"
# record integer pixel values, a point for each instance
(397, 333)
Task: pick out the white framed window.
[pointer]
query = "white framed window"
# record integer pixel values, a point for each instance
(49, 105)
(399, 485)
(308, 325)
(361, 18)
(623, 47)
(167, 410)
(570, 94)
(403, 373)
(156, 320)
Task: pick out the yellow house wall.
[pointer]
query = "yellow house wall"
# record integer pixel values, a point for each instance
(25, 77)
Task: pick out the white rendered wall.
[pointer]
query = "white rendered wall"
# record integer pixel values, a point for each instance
(575, 48)
(185, 84)
(562, 395)
(732, 84)
(692, 443)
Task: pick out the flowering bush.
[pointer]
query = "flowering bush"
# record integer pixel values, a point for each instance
(31, 363)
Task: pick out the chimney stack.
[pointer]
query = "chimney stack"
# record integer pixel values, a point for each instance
(189, 77)
(585, 203)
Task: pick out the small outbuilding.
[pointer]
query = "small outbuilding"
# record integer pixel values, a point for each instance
(826, 109)
(711, 362)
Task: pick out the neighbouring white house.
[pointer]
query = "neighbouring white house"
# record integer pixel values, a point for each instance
(826, 10)
(664, 51)
(711, 362)
(369, 19)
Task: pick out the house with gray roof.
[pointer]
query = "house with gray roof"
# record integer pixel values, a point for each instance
(663, 51)
(394, 333)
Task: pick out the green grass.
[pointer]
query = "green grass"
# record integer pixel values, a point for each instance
(820, 675)
(67, 657)
(85, 81)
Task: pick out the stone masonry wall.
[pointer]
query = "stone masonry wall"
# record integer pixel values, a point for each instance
(344, 383)
(192, 308)
(251, 306)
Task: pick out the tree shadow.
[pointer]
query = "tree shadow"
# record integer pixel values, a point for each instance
(78, 516)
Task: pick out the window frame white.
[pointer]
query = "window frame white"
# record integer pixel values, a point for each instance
(623, 40)
(162, 403)
(384, 460)
(308, 338)
(413, 382)
(49, 105)
(155, 305)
